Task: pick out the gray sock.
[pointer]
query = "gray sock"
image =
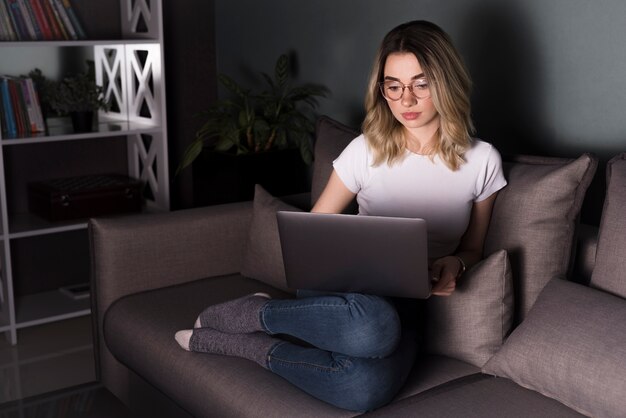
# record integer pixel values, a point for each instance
(236, 316)
(253, 346)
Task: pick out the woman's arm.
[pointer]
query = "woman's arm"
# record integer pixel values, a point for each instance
(470, 251)
(335, 197)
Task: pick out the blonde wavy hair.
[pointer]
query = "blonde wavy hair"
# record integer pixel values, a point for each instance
(450, 87)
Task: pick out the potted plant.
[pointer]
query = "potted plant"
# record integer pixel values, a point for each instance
(248, 127)
(77, 96)
(249, 122)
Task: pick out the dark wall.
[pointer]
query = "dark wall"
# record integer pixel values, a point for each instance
(550, 76)
(190, 83)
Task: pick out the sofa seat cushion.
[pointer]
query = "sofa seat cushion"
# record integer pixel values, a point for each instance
(139, 330)
(477, 396)
(430, 371)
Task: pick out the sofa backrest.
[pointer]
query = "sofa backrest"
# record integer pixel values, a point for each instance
(610, 271)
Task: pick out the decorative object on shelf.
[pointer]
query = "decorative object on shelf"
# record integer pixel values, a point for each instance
(77, 95)
(278, 117)
(85, 196)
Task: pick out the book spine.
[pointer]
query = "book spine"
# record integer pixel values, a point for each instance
(3, 125)
(80, 31)
(10, 21)
(49, 13)
(5, 22)
(58, 20)
(41, 19)
(18, 22)
(65, 19)
(40, 125)
(8, 109)
(17, 110)
(30, 27)
(29, 106)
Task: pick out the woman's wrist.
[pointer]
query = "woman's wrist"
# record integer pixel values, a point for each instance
(463, 266)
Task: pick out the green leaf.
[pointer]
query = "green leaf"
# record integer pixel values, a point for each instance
(191, 153)
(282, 70)
(232, 85)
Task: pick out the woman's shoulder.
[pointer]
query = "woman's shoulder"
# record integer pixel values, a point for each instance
(358, 145)
(481, 149)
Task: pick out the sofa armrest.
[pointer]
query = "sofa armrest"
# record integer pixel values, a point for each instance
(131, 254)
(136, 253)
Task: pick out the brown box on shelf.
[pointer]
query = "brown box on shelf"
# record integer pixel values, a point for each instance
(85, 196)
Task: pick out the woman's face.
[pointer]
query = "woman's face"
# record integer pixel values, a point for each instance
(418, 116)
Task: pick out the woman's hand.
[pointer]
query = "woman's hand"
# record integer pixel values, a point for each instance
(445, 272)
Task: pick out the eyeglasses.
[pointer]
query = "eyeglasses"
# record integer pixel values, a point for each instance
(394, 90)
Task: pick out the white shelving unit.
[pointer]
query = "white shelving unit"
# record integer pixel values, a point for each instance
(131, 71)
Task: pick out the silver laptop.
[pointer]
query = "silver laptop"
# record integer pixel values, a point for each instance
(384, 256)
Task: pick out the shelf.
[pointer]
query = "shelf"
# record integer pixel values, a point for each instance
(64, 132)
(23, 225)
(130, 70)
(45, 307)
(22, 44)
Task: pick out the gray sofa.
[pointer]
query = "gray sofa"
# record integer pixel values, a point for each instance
(536, 329)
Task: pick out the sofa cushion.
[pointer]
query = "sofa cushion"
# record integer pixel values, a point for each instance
(476, 396)
(571, 347)
(430, 371)
(535, 218)
(473, 322)
(331, 138)
(263, 259)
(610, 270)
(205, 384)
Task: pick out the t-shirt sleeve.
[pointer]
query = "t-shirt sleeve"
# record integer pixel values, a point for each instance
(352, 163)
(492, 177)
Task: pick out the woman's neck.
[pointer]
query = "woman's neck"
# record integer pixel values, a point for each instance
(420, 143)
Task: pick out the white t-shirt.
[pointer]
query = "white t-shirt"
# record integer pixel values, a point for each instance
(419, 187)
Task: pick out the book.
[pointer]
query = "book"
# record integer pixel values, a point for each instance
(65, 19)
(17, 19)
(54, 13)
(8, 33)
(32, 19)
(3, 125)
(8, 108)
(30, 28)
(28, 92)
(18, 107)
(74, 19)
(40, 15)
(52, 21)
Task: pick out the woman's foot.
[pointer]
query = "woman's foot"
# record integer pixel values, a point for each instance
(237, 316)
(253, 346)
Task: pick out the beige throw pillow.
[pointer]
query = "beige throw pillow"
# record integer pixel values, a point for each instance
(472, 323)
(263, 259)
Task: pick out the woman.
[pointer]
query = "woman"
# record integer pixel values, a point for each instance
(416, 158)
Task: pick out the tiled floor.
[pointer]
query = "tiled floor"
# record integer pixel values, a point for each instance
(47, 358)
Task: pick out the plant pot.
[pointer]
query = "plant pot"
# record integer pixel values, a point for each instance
(220, 177)
(82, 121)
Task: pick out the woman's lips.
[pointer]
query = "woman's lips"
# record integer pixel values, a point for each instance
(410, 115)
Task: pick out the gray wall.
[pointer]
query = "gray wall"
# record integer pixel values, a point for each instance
(549, 75)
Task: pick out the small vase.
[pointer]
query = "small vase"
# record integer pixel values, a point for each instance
(82, 121)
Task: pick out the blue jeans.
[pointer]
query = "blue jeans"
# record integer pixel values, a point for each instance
(359, 359)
